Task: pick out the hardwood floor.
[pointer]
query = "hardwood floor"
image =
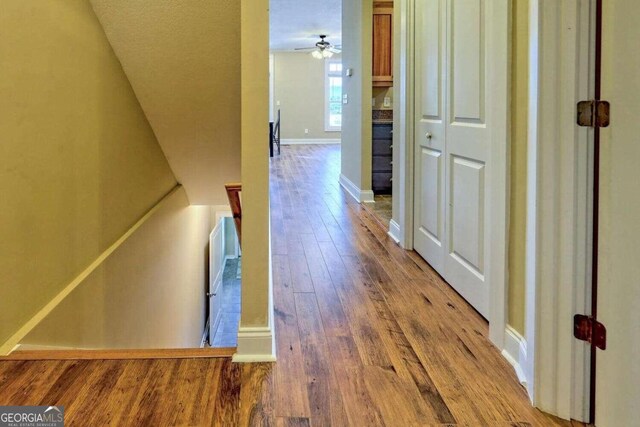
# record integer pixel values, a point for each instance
(371, 320)
(367, 335)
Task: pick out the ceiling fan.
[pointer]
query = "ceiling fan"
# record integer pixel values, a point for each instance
(322, 49)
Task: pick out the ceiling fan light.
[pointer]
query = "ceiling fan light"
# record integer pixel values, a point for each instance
(316, 54)
(327, 53)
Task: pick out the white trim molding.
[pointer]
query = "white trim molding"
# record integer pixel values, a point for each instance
(361, 196)
(328, 74)
(558, 206)
(403, 119)
(515, 351)
(255, 344)
(394, 231)
(311, 141)
(499, 196)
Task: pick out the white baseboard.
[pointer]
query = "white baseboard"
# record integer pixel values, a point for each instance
(38, 347)
(255, 345)
(311, 141)
(366, 196)
(361, 196)
(394, 231)
(515, 352)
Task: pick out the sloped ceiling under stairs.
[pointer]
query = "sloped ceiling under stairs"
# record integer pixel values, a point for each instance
(183, 61)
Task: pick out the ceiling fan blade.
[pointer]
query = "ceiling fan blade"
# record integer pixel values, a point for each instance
(335, 50)
(305, 48)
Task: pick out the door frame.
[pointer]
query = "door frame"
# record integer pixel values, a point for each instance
(559, 205)
(401, 227)
(555, 369)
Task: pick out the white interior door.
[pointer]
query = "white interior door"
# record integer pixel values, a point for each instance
(430, 88)
(454, 62)
(216, 272)
(618, 369)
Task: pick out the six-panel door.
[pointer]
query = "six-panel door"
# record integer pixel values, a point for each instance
(453, 144)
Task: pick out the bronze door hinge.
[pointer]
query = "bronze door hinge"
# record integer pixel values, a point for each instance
(593, 113)
(586, 328)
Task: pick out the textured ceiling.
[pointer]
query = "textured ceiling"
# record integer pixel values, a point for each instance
(297, 23)
(183, 62)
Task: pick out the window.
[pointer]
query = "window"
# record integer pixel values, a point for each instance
(333, 97)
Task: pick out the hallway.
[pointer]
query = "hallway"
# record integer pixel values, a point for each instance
(366, 333)
(356, 313)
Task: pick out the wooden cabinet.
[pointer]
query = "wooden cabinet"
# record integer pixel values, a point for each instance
(383, 43)
(382, 164)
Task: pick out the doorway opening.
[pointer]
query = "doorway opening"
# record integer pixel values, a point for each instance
(225, 278)
(305, 70)
(382, 65)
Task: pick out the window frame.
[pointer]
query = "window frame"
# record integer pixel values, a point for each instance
(327, 93)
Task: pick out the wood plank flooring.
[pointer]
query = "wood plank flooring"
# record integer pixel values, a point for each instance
(367, 335)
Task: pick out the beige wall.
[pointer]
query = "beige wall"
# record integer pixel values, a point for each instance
(148, 294)
(256, 256)
(356, 115)
(519, 114)
(81, 166)
(299, 87)
(379, 93)
(183, 61)
(80, 163)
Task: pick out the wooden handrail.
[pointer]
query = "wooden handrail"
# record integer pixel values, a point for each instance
(233, 193)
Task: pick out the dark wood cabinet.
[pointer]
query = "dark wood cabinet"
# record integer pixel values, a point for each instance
(382, 44)
(382, 159)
